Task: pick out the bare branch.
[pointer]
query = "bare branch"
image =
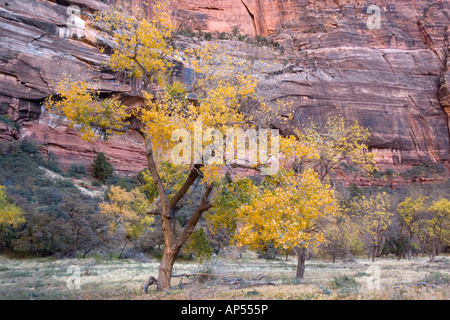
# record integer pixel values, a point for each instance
(189, 228)
(193, 175)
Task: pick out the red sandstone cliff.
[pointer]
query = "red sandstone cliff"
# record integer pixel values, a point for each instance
(395, 79)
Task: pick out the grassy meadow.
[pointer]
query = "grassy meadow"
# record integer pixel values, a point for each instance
(244, 278)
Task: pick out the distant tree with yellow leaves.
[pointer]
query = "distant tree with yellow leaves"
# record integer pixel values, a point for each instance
(126, 213)
(373, 216)
(434, 229)
(11, 216)
(412, 212)
(336, 141)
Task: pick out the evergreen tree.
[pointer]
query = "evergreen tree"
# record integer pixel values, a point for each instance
(102, 168)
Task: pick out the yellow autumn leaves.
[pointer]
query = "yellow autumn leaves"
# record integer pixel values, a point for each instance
(127, 210)
(287, 215)
(142, 48)
(85, 110)
(10, 214)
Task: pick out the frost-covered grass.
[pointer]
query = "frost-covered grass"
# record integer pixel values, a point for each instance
(46, 278)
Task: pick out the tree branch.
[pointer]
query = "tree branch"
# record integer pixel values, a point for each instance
(154, 213)
(156, 178)
(193, 175)
(189, 228)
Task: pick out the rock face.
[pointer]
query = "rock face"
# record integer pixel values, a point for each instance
(386, 66)
(392, 77)
(35, 51)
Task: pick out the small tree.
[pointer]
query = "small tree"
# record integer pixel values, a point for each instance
(287, 215)
(198, 245)
(11, 216)
(436, 229)
(396, 245)
(341, 236)
(127, 213)
(84, 228)
(374, 217)
(102, 168)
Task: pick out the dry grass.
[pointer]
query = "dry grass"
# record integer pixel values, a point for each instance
(121, 279)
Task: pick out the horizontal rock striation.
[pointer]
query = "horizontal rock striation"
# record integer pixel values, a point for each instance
(388, 69)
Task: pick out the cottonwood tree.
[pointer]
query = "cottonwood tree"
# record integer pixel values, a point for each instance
(435, 229)
(198, 245)
(341, 237)
(374, 217)
(412, 211)
(221, 86)
(84, 229)
(126, 213)
(336, 142)
(11, 216)
(287, 214)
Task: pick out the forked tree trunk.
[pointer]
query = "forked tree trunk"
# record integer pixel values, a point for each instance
(172, 243)
(301, 262)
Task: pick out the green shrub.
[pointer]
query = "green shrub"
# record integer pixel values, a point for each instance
(208, 36)
(29, 146)
(242, 37)
(77, 170)
(96, 183)
(222, 36)
(6, 120)
(346, 285)
(377, 174)
(53, 166)
(261, 41)
(127, 183)
(424, 170)
(186, 32)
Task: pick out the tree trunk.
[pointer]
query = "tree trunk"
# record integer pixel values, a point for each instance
(433, 252)
(123, 248)
(165, 269)
(301, 258)
(373, 253)
(86, 252)
(410, 247)
(218, 248)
